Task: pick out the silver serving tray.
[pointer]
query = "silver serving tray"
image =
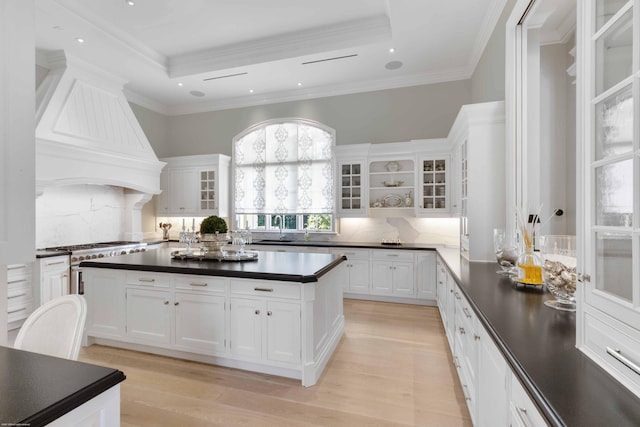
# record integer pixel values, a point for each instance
(216, 256)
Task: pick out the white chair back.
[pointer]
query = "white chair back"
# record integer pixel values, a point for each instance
(55, 328)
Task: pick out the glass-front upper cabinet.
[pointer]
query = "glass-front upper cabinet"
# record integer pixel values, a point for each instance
(352, 200)
(608, 106)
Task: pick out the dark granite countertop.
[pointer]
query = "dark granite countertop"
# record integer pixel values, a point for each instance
(37, 389)
(538, 342)
(285, 266)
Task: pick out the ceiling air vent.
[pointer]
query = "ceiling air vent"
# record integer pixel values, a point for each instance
(224, 77)
(330, 59)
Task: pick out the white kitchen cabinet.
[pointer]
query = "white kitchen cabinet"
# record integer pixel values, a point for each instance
(194, 186)
(466, 349)
(478, 136)
(20, 302)
(392, 273)
(265, 329)
(492, 383)
(608, 317)
(425, 266)
(199, 305)
(148, 315)
(181, 193)
(352, 197)
(356, 269)
(104, 292)
(433, 190)
(200, 322)
(53, 276)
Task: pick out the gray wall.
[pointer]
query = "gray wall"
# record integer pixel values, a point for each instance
(392, 115)
(487, 81)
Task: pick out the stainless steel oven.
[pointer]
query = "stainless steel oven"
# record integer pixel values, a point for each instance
(89, 251)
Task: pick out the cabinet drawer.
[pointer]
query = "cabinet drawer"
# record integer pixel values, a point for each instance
(19, 288)
(265, 289)
(17, 271)
(143, 278)
(201, 283)
(523, 412)
(351, 253)
(55, 263)
(617, 345)
(392, 255)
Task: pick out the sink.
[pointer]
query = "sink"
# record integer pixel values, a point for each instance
(273, 241)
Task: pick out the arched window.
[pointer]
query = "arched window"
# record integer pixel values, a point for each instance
(284, 168)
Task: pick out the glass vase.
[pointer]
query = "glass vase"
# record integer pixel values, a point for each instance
(530, 265)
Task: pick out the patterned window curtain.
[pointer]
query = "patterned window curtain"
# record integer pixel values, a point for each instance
(284, 168)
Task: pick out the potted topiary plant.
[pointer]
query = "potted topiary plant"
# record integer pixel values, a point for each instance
(213, 232)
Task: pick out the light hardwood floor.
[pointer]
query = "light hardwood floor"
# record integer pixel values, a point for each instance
(392, 368)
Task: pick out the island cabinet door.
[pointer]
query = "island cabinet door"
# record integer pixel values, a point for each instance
(149, 316)
(200, 322)
(246, 327)
(283, 332)
(403, 279)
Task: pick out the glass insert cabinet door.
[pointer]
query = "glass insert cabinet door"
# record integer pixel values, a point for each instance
(610, 158)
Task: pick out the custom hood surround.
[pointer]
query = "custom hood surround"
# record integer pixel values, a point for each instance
(86, 133)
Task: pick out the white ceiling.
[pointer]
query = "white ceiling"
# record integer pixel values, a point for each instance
(156, 44)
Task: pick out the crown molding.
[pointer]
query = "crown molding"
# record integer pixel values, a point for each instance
(146, 102)
(283, 46)
(486, 30)
(122, 39)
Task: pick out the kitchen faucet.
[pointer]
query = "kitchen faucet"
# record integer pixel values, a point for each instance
(280, 220)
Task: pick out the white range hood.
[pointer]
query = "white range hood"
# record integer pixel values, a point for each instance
(86, 132)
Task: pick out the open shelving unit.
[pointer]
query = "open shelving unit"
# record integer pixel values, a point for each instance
(392, 184)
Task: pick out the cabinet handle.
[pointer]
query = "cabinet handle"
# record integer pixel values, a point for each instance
(462, 332)
(457, 296)
(176, 303)
(626, 362)
(522, 415)
(263, 289)
(393, 255)
(142, 279)
(450, 290)
(198, 284)
(466, 312)
(476, 337)
(349, 253)
(166, 303)
(56, 263)
(269, 313)
(257, 311)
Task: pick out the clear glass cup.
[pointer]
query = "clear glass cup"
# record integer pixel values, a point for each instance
(559, 271)
(506, 251)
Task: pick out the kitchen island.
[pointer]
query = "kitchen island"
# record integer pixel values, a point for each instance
(280, 314)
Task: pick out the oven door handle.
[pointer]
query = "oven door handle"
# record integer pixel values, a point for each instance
(75, 284)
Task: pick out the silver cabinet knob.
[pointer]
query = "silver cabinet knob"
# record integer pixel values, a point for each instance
(257, 311)
(176, 303)
(166, 303)
(269, 313)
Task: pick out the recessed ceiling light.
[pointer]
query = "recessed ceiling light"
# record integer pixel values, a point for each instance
(130, 2)
(250, 90)
(180, 84)
(392, 50)
(299, 84)
(79, 39)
